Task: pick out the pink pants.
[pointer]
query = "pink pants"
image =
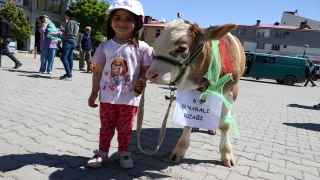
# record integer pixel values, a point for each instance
(118, 116)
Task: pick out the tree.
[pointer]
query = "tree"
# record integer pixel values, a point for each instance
(91, 13)
(21, 29)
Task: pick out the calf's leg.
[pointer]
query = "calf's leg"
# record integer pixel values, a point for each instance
(182, 145)
(227, 157)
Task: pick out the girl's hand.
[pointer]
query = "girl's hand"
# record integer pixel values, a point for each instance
(92, 99)
(138, 86)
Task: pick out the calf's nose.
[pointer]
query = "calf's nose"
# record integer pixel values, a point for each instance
(151, 75)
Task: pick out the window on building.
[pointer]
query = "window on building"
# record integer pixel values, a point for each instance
(50, 5)
(42, 5)
(26, 2)
(266, 59)
(280, 34)
(241, 31)
(275, 47)
(264, 33)
(158, 32)
(144, 32)
(57, 6)
(260, 45)
(284, 46)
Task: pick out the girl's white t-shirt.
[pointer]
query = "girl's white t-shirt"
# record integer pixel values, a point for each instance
(121, 69)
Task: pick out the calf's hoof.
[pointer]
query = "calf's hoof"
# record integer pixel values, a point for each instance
(212, 132)
(195, 130)
(175, 157)
(228, 163)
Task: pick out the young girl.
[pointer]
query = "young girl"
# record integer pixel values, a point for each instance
(122, 62)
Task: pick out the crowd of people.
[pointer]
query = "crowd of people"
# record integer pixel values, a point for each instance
(51, 38)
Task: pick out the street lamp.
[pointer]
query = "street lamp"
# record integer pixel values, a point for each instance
(305, 48)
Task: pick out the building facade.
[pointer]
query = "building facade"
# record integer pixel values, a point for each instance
(293, 19)
(152, 29)
(280, 39)
(35, 8)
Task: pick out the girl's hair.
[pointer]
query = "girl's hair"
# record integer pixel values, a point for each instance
(123, 64)
(137, 31)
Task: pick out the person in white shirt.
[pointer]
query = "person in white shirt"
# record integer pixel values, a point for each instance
(121, 64)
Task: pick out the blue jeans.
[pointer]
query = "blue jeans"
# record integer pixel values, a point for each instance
(47, 58)
(67, 55)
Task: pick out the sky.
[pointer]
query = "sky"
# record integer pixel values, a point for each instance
(241, 12)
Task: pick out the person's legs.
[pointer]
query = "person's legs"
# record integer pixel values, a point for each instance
(305, 84)
(87, 56)
(66, 46)
(43, 59)
(70, 55)
(6, 51)
(81, 60)
(108, 120)
(313, 84)
(125, 121)
(126, 115)
(51, 56)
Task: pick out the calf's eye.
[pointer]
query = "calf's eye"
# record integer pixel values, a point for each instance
(181, 49)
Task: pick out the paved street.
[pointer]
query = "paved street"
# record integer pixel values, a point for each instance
(47, 131)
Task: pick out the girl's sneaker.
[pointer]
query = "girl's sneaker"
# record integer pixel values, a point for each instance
(98, 158)
(125, 159)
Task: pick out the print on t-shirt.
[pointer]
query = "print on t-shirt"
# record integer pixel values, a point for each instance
(119, 80)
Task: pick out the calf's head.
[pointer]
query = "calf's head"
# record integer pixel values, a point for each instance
(178, 41)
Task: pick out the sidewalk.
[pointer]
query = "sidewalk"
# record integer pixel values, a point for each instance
(47, 131)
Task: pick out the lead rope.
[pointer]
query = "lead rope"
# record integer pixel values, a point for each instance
(140, 121)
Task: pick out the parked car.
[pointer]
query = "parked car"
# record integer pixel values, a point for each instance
(317, 75)
(284, 69)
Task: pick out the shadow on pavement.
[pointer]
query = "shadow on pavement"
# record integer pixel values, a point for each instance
(302, 106)
(45, 76)
(307, 126)
(74, 167)
(266, 82)
(33, 74)
(22, 71)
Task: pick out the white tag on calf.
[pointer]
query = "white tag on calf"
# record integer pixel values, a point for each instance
(189, 111)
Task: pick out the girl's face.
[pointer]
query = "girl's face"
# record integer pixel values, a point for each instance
(123, 24)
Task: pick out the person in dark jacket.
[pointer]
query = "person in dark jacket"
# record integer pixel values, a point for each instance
(85, 48)
(5, 39)
(310, 74)
(69, 43)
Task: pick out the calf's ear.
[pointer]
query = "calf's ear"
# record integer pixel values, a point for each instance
(216, 32)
